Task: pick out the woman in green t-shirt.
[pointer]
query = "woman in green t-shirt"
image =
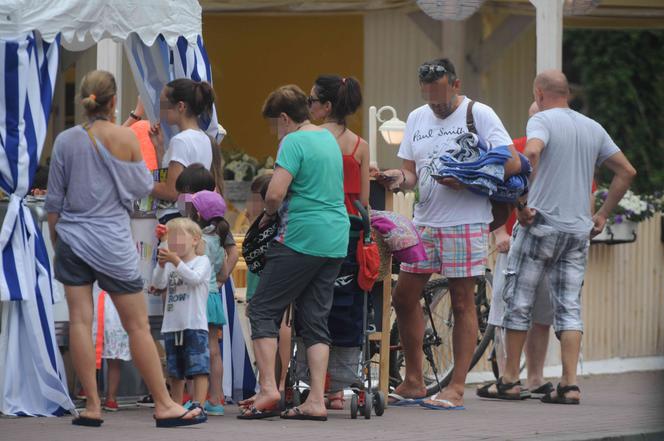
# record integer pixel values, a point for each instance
(306, 193)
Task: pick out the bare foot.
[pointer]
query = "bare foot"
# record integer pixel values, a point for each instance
(336, 400)
(247, 402)
(265, 400)
(453, 396)
(176, 411)
(311, 408)
(91, 411)
(409, 391)
(571, 394)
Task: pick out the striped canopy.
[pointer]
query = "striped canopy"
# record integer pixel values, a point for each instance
(32, 376)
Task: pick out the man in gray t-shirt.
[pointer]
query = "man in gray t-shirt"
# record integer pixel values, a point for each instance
(551, 243)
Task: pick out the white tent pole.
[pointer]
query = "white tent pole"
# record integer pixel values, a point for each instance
(109, 57)
(549, 34)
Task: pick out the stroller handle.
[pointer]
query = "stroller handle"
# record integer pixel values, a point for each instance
(366, 222)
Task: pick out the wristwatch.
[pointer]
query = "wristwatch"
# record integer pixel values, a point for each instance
(268, 214)
(133, 115)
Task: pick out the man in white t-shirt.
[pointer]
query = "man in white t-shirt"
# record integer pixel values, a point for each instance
(555, 227)
(453, 223)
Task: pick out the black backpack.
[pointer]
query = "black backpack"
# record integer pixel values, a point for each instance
(256, 243)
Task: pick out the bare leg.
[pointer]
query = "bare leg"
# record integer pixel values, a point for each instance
(317, 358)
(464, 337)
(134, 317)
(79, 302)
(216, 366)
(514, 342)
(570, 346)
(285, 334)
(537, 343)
(406, 301)
(201, 385)
(114, 366)
(265, 351)
(177, 389)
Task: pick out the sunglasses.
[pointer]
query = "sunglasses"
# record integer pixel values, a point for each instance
(312, 99)
(431, 71)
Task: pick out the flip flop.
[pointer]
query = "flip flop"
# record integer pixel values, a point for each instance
(446, 405)
(181, 421)
(253, 413)
(399, 401)
(299, 415)
(87, 422)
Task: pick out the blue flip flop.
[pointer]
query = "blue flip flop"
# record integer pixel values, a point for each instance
(446, 405)
(400, 401)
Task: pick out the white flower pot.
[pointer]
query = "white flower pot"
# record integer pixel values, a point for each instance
(623, 232)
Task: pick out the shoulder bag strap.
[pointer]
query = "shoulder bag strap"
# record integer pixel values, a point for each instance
(470, 120)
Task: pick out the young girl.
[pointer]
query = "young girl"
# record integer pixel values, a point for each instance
(185, 271)
(182, 103)
(208, 209)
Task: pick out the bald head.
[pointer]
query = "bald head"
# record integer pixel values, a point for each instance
(552, 82)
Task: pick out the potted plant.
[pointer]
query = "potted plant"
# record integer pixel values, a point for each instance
(621, 224)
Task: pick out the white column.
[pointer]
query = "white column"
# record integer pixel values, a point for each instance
(109, 58)
(454, 45)
(373, 150)
(549, 34)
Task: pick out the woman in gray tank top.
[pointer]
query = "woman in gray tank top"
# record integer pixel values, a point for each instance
(96, 172)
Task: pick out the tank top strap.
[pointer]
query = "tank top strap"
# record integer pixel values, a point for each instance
(357, 144)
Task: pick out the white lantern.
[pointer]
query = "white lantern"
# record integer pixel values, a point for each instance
(449, 9)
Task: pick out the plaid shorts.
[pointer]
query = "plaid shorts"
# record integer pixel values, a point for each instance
(542, 254)
(454, 252)
(187, 353)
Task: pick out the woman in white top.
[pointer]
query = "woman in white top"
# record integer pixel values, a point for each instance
(182, 102)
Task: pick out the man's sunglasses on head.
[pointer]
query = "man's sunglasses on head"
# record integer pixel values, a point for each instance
(431, 71)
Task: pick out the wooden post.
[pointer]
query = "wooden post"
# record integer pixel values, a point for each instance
(549, 34)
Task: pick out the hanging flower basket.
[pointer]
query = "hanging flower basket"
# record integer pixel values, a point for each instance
(624, 232)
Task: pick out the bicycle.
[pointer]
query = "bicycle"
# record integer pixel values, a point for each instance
(437, 343)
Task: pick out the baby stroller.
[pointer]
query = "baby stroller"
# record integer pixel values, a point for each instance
(350, 358)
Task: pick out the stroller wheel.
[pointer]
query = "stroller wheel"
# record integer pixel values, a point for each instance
(368, 402)
(379, 403)
(353, 407)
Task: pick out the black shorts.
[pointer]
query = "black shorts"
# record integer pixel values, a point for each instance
(292, 277)
(71, 270)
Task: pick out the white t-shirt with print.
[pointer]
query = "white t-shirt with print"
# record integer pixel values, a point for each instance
(187, 147)
(186, 298)
(426, 138)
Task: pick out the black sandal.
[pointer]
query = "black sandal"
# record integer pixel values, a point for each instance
(560, 397)
(485, 392)
(504, 387)
(545, 389)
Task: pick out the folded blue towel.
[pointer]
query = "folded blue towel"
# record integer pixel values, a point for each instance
(482, 170)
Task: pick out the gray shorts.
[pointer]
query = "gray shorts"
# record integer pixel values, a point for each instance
(542, 312)
(542, 254)
(71, 270)
(292, 277)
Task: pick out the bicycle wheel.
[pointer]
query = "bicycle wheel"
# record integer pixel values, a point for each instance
(438, 367)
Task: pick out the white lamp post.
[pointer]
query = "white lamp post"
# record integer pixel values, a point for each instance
(391, 129)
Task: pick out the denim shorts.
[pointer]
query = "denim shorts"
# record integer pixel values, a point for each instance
(187, 353)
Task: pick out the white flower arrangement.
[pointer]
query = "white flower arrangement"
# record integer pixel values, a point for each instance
(631, 207)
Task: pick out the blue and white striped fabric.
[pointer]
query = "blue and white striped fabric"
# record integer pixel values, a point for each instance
(239, 376)
(154, 66)
(32, 379)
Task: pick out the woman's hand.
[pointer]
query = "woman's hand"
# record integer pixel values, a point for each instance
(157, 138)
(267, 220)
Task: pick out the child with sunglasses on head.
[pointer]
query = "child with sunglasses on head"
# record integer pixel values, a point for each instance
(185, 271)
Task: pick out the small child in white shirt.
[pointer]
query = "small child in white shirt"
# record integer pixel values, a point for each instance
(185, 271)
